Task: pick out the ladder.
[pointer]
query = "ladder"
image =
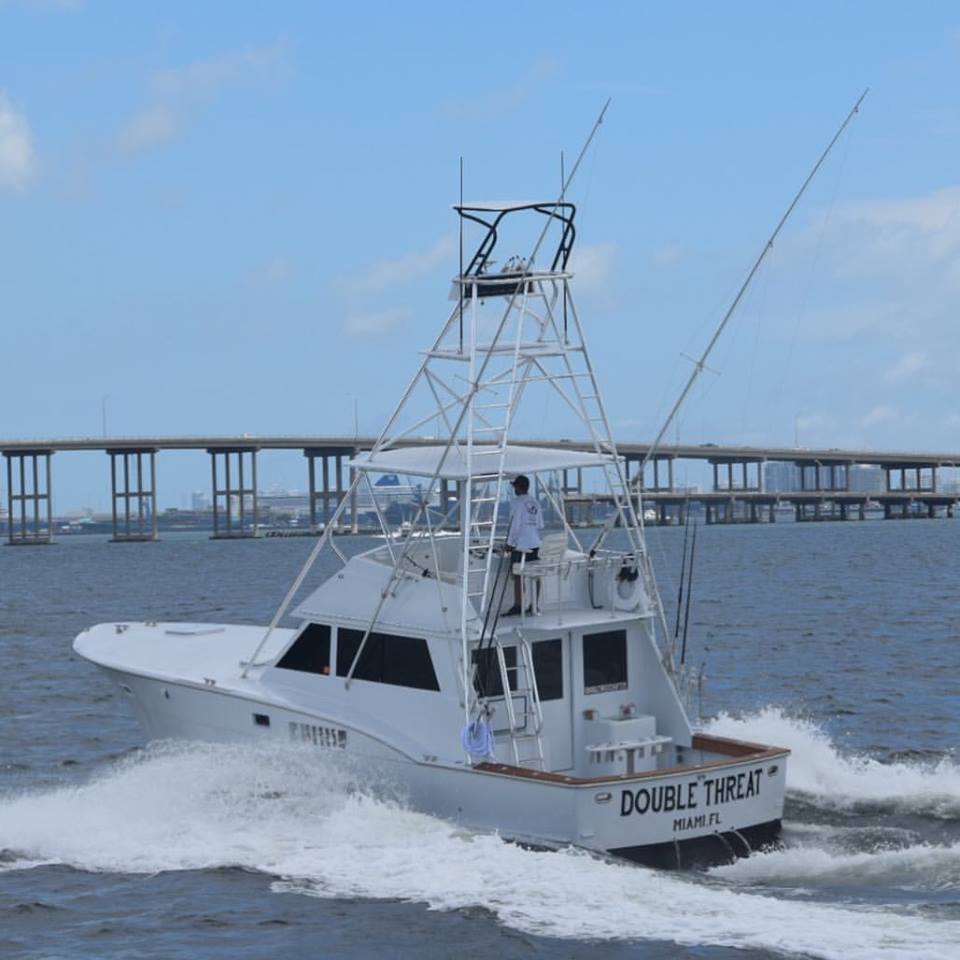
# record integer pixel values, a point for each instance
(519, 682)
(488, 423)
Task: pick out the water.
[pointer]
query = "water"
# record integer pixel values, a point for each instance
(838, 641)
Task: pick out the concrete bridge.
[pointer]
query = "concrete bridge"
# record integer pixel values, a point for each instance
(737, 494)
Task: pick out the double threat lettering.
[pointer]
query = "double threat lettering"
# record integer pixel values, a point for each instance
(671, 797)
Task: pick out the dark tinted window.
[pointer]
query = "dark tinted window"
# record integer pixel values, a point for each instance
(310, 652)
(386, 658)
(548, 666)
(487, 680)
(605, 660)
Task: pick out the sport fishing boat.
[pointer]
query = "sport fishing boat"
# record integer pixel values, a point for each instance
(561, 725)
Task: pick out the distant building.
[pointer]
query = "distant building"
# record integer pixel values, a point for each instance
(780, 477)
(866, 478)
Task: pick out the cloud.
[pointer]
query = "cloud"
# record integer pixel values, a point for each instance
(177, 93)
(411, 266)
(911, 234)
(622, 88)
(273, 272)
(668, 254)
(886, 268)
(883, 415)
(205, 78)
(375, 324)
(505, 99)
(44, 4)
(907, 367)
(151, 128)
(592, 265)
(814, 422)
(17, 156)
(278, 269)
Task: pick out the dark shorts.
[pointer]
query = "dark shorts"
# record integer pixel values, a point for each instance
(517, 555)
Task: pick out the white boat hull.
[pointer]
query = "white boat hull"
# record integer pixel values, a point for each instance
(673, 818)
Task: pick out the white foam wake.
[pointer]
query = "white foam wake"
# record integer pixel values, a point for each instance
(817, 768)
(923, 867)
(189, 807)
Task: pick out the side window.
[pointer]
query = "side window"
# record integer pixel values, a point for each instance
(605, 661)
(310, 651)
(370, 665)
(548, 667)
(486, 680)
(387, 658)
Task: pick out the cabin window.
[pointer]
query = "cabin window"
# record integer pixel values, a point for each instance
(310, 652)
(487, 681)
(387, 658)
(548, 668)
(605, 661)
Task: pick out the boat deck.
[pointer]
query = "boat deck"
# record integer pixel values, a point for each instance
(731, 751)
(193, 653)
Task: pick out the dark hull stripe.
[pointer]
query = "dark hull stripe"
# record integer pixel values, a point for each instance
(707, 851)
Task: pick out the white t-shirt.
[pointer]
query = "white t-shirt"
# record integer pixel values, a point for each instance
(526, 522)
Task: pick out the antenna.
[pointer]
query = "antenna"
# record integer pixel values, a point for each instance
(460, 285)
(563, 196)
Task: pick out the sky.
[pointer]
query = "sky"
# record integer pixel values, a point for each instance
(228, 218)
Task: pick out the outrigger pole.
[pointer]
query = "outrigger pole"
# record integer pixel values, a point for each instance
(701, 363)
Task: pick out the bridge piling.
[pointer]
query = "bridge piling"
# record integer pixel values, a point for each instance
(29, 491)
(143, 525)
(230, 524)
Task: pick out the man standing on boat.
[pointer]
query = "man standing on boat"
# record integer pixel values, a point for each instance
(523, 537)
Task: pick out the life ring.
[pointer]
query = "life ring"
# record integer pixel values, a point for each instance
(628, 588)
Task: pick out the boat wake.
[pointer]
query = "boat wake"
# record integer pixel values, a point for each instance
(922, 867)
(183, 807)
(819, 772)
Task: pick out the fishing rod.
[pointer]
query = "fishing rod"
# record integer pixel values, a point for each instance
(686, 615)
(683, 568)
(700, 365)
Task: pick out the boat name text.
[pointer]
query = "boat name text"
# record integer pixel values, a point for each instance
(318, 736)
(710, 792)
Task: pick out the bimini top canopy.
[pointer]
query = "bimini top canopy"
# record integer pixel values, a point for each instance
(424, 461)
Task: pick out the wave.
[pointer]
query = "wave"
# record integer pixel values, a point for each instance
(818, 769)
(924, 867)
(285, 813)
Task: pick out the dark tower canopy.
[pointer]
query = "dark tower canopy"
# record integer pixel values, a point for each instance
(491, 217)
